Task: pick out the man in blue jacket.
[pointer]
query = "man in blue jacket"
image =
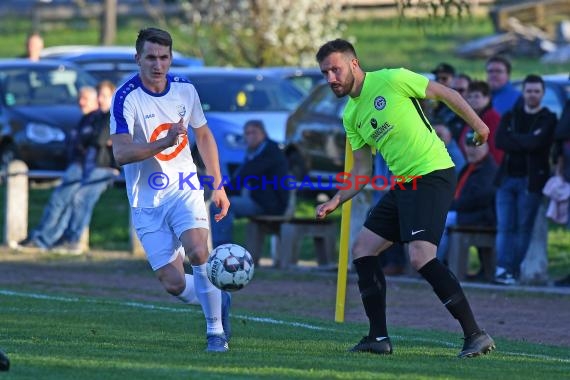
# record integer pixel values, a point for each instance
(256, 186)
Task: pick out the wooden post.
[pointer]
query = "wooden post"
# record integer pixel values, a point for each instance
(16, 203)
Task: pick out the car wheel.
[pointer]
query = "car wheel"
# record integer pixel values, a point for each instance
(297, 166)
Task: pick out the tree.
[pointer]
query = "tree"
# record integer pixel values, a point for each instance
(264, 32)
(434, 9)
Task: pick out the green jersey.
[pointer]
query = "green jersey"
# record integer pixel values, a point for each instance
(387, 116)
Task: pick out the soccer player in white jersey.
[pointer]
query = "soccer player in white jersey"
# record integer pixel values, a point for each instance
(150, 116)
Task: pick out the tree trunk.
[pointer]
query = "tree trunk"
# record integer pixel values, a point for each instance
(108, 23)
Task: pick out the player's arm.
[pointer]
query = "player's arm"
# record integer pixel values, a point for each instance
(126, 151)
(362, 168)
(209, 152)
(458, 105)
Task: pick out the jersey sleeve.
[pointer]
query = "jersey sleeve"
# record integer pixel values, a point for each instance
(197, 118)
(122, 116)
(409, 83)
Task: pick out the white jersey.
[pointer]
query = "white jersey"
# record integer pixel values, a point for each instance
(147, 117)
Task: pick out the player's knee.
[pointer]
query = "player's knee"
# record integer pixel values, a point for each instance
(197, 256)
(174, 288)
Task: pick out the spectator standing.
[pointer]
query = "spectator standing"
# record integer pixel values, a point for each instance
(256, 186)
(525, 135)
(561, 153)
(34, 46)
(479, 97)
(503, 93)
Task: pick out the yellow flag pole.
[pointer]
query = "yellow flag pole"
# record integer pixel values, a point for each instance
(344, 241)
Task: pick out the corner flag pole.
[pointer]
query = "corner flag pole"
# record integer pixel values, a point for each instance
(344, 241)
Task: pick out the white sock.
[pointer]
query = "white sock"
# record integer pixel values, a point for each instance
(188, 295)
(210, 298)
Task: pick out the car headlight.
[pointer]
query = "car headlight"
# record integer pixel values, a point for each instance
(43, 133)
(234, 140)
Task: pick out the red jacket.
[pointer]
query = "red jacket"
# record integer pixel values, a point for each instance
(492, 119)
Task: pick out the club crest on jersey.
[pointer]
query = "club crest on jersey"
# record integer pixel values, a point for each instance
(379, 103)
(181, 109)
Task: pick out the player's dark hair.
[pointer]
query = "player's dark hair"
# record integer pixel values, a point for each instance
(154, 35)
(533, 78)
(500, 59)
(335, 46)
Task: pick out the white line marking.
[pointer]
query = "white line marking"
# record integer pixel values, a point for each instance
(253, 319)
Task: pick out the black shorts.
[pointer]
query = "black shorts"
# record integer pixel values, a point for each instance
(416, 211)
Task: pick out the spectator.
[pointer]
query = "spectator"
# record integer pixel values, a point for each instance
(503, 93)
(461, 84)
(474, 200)
(34, 46)
(440, 113)
(265, 165)
(561, 155)
(71, 204)
(479, 97)
(526, 136)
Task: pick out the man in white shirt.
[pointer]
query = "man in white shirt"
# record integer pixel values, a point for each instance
(149, 120)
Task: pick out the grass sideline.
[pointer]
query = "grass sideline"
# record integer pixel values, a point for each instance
(55, 336)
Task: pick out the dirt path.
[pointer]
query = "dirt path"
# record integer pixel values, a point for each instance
(530, 314)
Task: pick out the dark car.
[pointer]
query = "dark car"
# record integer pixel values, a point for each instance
(39, 101)
(304, 78)
(315, 136)
(109, 62)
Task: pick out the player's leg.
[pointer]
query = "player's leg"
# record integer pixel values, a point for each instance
(189, 221)
(4, 362)
(423, 215)
(371, 281)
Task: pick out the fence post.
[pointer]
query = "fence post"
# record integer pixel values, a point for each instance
(16, 203)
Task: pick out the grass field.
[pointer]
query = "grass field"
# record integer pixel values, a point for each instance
(57, 336)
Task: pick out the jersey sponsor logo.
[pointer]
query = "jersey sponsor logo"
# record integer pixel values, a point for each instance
(181, 109)
(178, 148)
(374, 123)
(380, 132)
(379, 103)
(149, 116)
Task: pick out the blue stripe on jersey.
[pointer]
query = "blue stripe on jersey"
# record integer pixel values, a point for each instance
(119, 101)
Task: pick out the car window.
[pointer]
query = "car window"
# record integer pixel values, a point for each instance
(41, 86)
(235, 94)
(324, 102)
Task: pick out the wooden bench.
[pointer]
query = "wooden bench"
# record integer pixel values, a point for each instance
(463, 237)
(288, 231)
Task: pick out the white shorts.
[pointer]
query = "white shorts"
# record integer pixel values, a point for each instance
(159, 228)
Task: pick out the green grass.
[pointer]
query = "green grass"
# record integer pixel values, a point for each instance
(379, 42)
(52, 336)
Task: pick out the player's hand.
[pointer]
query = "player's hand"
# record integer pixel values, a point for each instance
(326, 208)
(176, 131)
(220, 199)
(480, 137)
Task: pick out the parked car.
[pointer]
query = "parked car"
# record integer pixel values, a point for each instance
(315, 137)
(109, 62)
(39, 101)
(304, 78)
(233, 96)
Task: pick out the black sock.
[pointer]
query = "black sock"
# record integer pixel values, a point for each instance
(372, 286)
(449, 291)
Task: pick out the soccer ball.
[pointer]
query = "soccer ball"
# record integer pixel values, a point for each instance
(230, 267)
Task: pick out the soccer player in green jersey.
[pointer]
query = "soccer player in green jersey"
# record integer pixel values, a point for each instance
(383, 113)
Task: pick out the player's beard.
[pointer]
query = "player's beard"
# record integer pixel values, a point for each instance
(343, 89)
